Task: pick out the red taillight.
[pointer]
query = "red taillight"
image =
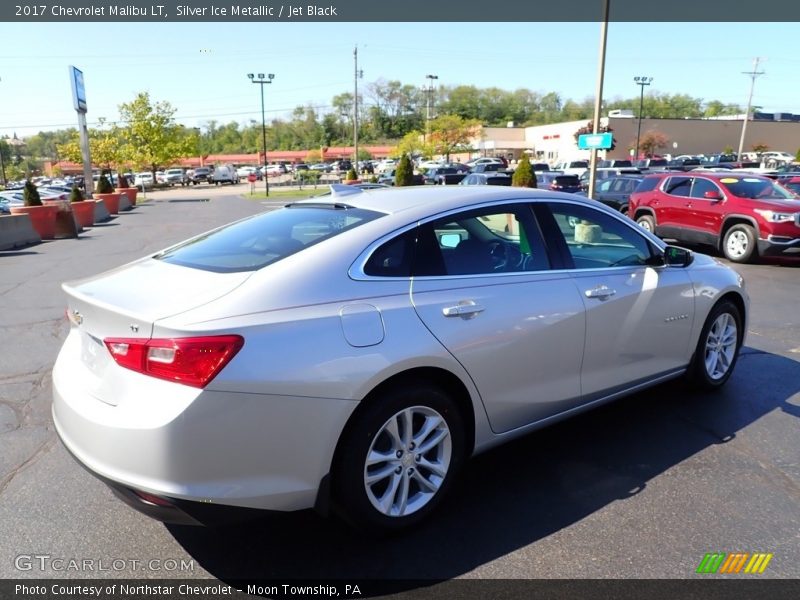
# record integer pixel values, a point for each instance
(192, 361)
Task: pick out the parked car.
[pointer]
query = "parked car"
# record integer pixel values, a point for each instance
(245, 171)
(614, 163)
(355, 353)
(199, 175)
(540, 167)
(144, 179)
(601, 174)
(543, 180)
(651, 164)
(489, 178)
(444, 176)
(566, 183)
(616, 192)
(324, 167)
(742, 215)
(276, 170)
(488, 168)
(175, 176)
(223, 174)
(573, 167)
(9, 198)
(486, 160)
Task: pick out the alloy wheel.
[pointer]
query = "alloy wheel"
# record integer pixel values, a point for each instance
(721, 346)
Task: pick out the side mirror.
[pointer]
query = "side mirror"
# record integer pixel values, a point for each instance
(677, 257)
(712, 195)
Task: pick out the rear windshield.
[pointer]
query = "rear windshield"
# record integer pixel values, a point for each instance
(264, 239)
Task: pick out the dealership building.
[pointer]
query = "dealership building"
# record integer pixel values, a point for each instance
(554, 142)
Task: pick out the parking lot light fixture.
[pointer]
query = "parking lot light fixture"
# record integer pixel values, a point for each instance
(641, 82)
(262, 80)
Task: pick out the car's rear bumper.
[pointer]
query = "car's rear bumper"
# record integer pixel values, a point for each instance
(190, 446)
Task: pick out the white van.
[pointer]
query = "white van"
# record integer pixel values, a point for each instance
(224, 174)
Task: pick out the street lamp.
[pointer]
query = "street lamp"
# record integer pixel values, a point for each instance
(262, 80)
(640, 81)
(429, 91)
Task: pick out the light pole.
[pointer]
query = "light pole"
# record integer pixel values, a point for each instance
(429, 91)
(753, 74)
(641, 82)
(262, 81)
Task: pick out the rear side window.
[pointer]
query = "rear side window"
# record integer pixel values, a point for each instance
(264, 239)
(678, 186)
(647, 184)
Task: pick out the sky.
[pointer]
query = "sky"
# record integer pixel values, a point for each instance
(201, 68)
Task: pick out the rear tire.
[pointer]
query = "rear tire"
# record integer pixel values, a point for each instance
(718, 347)
(739, 244)
(399, 458)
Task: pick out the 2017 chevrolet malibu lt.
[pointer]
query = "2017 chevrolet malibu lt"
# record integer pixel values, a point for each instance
(354, 351)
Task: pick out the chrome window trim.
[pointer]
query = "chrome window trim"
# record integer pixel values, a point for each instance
(356, 270)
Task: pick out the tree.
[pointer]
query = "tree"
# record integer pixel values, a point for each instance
(151, 139)
(105, 147)
(413, 144)
(451, 133)
(404, 175)
(314, 156)
(589, 128)
(524, 175)
(30, 195)
(760, 147)
(651, 141)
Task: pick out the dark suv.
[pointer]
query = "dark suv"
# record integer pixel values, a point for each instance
(741, 214)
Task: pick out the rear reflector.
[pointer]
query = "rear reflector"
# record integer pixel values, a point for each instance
(191, 361)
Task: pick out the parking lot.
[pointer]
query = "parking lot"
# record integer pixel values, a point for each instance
(641, 488)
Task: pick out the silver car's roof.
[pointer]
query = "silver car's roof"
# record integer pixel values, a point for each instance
(420, 201)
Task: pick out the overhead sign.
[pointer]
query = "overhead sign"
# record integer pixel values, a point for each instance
(595, 141)
(78, 89)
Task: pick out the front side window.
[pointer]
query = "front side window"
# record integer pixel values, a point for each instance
(701, 186)
(256, 242)
(482, 241)
(597, 240)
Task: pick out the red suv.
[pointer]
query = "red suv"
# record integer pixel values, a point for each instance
(741, 214)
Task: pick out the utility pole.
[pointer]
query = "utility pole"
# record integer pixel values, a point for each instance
(358, 74)
(263, 80)
(640, 81)
(429, 91)
(598, 97)
(753, 74)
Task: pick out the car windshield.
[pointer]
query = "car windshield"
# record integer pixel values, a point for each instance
(756, 188)
(256, 242)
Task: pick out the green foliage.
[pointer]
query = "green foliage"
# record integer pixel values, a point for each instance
(524, 175)
(351, 175)
(104, 186)
(308, 176)
(76, 195)
(150, 136)
(30, 195)
(404, 175)
(760, 147)
(797, 155)
(727, 149)
(452, 133)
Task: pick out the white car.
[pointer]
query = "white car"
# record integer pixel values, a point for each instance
(245, 172)
(776, 159)
(143, 180)
(353, 351)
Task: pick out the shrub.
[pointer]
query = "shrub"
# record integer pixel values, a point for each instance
(524, 175)
(405, 172)
(351, 175)
(122, 181)
(104, 186)
(30, 194)
(76, 195)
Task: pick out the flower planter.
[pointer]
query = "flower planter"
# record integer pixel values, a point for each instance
(131, 192)
(111, 201)
(84, 212)
(351, 181)
(43, 218)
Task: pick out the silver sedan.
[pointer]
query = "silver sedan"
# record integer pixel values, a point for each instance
(351, 352)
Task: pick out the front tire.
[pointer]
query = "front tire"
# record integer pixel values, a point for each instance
(399, 458)
(647, 223)
(739, 244)
(718, 347)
